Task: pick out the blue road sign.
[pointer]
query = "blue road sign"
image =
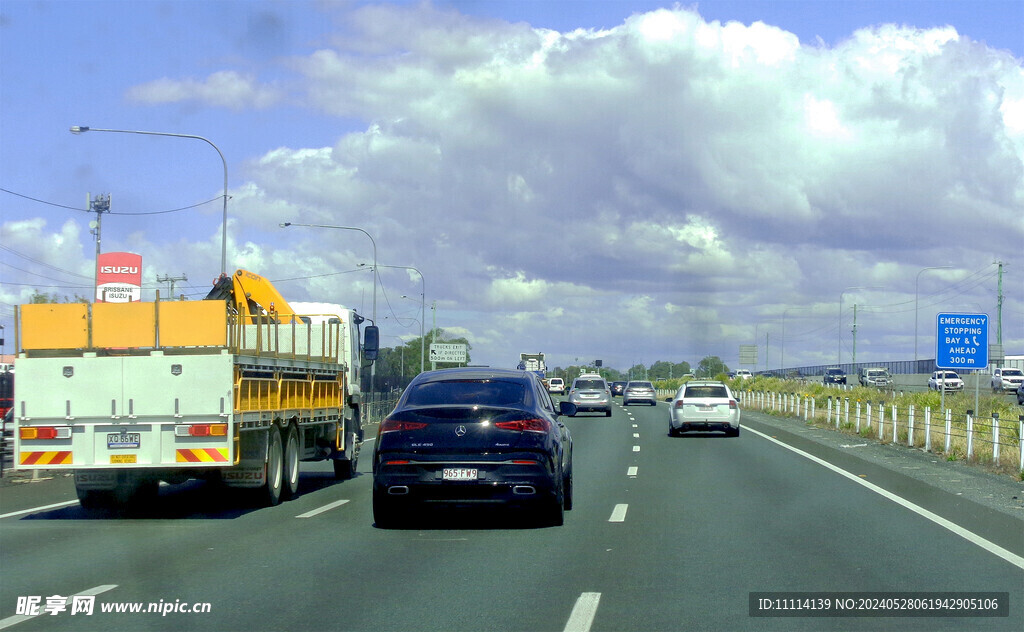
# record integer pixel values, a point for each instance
(961, 341)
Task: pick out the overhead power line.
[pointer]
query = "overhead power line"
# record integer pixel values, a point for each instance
(85, 210)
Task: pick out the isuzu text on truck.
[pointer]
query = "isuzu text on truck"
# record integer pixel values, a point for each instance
(238, 388)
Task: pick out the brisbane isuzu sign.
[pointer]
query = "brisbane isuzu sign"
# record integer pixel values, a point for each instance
(961, 341)
(118, 277)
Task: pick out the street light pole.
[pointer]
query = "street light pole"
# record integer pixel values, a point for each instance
(81, 129)
(373, 367)
(916, 281)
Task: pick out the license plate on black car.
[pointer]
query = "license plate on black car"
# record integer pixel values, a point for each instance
(459, 474)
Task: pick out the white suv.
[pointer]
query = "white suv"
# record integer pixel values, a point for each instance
(556, 385)
(1006, 379)
(704, 405)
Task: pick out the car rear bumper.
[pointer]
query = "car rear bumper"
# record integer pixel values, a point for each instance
(706, 426)
(639, 400)
(497, 483)
(592, 407)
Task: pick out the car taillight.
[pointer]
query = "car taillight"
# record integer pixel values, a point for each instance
(395, 425)
(732, 404)
(679, 403)
(524, 425)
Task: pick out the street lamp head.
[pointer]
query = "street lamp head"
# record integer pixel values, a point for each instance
(285, 224)
(79, 129)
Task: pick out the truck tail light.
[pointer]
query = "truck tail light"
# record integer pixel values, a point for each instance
(44, 432)
(201, 430)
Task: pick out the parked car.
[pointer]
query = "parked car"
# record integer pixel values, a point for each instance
(945, 380)
(875, 376)
(590, 393)
(556, 385)
(834, 375)
(473, 436)
(639, 391)
(704, 405)
(617, 388)
(1006, 379)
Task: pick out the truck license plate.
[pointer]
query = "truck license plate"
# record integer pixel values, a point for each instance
(124, 440)
(459, 474)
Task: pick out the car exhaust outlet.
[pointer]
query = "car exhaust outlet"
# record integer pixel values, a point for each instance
(398, 490)
(523, 490)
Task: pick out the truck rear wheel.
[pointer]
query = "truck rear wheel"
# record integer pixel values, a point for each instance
(274, 484)
(291, 462)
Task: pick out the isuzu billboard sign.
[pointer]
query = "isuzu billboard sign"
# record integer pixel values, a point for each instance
(119, 277)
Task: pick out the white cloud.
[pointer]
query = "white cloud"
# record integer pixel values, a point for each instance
(227, 89)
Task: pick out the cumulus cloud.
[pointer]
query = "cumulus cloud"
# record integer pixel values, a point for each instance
(227, 89)
(682, 157)
(655, 189)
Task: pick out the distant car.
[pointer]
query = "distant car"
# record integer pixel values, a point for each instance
(589, 392)
(637, 392)
(875, 376)
(1006, 379)
(704, 405)
(945, 380)
(556, 385)
(744, 374)
(473, 436)
(617, 388)
(834, 375)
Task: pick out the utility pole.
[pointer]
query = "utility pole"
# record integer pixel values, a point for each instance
(854, 332)
(171, 280)
(100, 205)
(999, 306)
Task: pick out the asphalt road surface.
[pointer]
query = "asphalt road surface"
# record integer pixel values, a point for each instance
(666, 534)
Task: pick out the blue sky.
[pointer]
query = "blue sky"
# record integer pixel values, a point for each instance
(630, 181)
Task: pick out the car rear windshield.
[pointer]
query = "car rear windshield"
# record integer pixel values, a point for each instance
(590, 384)
(472, 392)
(706, 391)
(640, 385)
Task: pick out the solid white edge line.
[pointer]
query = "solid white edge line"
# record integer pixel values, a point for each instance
(18, 618)
(619, 513)
(583, 612)
(43, 508)
(970, 536)
(320, 510)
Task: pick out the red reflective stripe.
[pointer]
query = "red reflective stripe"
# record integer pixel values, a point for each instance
(62, 458)
(216, 454)
(189, 456)
(31, 458)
